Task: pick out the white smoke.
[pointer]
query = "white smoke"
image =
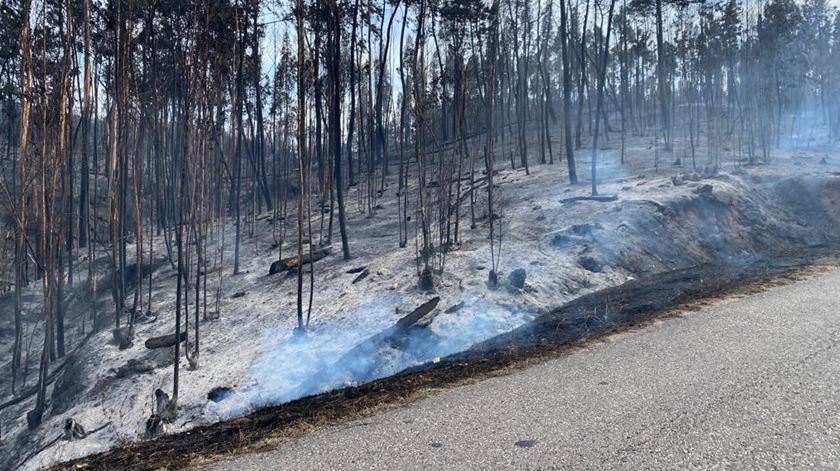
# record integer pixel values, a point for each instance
(291, 367)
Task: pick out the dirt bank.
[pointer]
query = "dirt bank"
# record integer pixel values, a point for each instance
(661, 250)
(588, 317)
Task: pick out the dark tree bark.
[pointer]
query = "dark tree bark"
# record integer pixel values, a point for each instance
(567, 95)
(335, 119)
(602, 73)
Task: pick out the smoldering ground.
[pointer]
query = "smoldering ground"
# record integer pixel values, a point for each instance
(715, 222)
(732, 220)
(367, 347)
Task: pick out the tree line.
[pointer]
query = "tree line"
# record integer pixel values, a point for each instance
(133, 121)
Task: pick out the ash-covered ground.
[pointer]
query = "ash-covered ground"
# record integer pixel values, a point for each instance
(665, 218)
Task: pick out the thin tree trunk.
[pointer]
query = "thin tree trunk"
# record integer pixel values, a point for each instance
(567, 95)
(602, 73)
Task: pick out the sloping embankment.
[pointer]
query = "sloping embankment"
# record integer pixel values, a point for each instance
(723, 238)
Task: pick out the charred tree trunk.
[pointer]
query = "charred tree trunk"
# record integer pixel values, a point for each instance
(567, 94)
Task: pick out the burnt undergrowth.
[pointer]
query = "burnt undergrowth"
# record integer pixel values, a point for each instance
(588, 317)
(716, 241)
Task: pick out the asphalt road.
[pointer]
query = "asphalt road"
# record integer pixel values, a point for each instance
(749, 383)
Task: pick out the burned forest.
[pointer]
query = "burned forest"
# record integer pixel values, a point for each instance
(210, 209)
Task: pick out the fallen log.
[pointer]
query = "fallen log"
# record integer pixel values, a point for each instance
(353, 271)
(287, 264)
(418, 313)
(163, 341)
(361, 276)
(455, 307)
(600, 198)
(361, 361)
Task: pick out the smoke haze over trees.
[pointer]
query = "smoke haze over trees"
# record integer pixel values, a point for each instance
(138, 131)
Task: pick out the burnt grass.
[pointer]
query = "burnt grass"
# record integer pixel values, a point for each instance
(586, 318)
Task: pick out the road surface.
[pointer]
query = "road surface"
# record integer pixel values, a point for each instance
(749, 383)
